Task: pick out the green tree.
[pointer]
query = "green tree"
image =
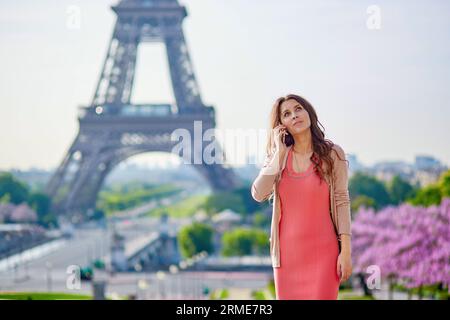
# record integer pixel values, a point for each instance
(6, 198)
(195, 238)
(250, 205)
(427, 196)
(362, 201)
(223, 200)
(271, 288)
(260, 219)
(244, 241)
(432, 194)
(41, 203)
(362, 184)
(17, 190)
(444, 184)
(399, 190)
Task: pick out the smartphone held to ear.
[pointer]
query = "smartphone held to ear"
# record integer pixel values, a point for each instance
(288, 139)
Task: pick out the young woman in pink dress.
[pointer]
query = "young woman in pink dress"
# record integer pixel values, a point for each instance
(312, 263)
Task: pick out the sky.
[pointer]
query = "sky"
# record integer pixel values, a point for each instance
(381, 93)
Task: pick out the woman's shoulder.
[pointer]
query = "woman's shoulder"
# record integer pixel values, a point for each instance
(337, 152)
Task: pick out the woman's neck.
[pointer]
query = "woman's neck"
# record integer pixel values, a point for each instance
(303, 143)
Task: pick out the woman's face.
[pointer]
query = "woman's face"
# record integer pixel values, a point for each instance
(294, 116)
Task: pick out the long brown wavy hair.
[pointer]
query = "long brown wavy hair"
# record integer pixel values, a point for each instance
(321, 147)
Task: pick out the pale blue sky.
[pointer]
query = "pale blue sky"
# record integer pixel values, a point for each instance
(381, 94)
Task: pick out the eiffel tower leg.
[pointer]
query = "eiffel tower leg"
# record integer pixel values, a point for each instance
(116, 80)
(185, 87)
(125, 82)
(86, 197)
(100, 93)
(91, 167)
(58, 177)
(90, 192)
(84, 190)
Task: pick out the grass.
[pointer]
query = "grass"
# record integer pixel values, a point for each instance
(185, 208)
(42, 296)
(348, 294)
(427, 291)
(219, 294)
(131, 196)
(349, 297)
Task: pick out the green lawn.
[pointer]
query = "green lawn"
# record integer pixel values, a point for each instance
(348, 294)
(129, 196)
(42, 296)
(185, 208)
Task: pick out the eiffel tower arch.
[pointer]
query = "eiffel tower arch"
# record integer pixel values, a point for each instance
(111, 129)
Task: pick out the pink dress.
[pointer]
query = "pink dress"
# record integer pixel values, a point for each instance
(308, 244)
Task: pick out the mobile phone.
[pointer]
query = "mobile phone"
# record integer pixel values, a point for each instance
(288, 139)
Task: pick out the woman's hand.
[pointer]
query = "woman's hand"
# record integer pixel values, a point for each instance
(279, 134)
(344, 266)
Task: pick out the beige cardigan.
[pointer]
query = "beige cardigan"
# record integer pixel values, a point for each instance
(267, 181)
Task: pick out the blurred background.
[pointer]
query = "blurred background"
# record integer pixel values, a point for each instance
(96, 203)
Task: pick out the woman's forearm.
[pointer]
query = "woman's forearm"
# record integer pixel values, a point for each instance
(346, 246)
(263, 184)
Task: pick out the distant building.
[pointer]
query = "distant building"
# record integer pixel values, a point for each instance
(428, 169)
(222, 222)
(201, 216)
(423, 162)
(225, 219)
(118, 257)
(424, 171)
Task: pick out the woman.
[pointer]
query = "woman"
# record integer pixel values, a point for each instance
(306, 176)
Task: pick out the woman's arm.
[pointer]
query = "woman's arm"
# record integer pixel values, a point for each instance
(341, 193)
(344, 264)
(263, 185)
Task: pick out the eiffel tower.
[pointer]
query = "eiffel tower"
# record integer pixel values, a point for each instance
(111, 129)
